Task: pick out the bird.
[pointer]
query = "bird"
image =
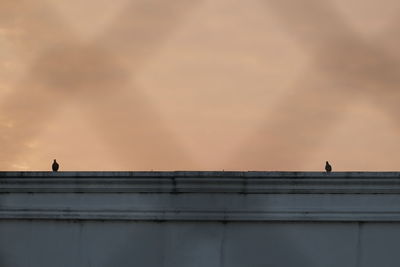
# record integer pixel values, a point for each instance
(55, 166)
(328, 167)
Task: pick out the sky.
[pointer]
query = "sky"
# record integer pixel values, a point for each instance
(275, 85)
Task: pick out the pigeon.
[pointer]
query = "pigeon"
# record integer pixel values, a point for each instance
(328, 167)
(55, 166)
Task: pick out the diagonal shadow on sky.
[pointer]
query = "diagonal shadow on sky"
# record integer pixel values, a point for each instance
(349, 68)
(99, 76)
(132, 44)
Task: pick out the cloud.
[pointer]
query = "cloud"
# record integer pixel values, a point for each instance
(65, 69)
(163, 85)
(346, 68)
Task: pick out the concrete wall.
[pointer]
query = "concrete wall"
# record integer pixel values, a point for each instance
(90, 243)
(199, 219)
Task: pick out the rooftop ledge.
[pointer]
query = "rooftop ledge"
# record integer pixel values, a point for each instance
(201, 196)
(251, 182)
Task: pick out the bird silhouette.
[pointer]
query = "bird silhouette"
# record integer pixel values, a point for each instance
(328, 167)
(55, 166)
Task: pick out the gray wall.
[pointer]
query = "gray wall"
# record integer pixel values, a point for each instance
(205, 219)
(91, 243)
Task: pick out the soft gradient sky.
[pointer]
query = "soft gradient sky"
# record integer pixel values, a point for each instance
(200, 84)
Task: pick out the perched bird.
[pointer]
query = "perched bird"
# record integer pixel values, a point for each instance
(55, 166)
(328, 167)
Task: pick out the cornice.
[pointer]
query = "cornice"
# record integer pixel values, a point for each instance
(202, 182)
(201, 196)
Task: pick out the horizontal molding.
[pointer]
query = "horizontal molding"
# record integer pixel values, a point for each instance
(201, 196)
(201, 182)
(190, 215)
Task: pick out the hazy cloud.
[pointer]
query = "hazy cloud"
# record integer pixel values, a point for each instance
(194, 84)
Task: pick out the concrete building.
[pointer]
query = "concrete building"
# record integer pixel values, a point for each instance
(205, 219)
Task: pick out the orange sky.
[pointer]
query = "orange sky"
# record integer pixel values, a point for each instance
(199, 84)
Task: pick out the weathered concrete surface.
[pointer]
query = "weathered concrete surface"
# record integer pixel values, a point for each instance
(199, 219)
